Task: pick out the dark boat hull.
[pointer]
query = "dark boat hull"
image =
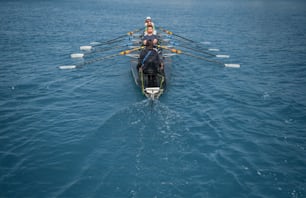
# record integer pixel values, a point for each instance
(152, 85)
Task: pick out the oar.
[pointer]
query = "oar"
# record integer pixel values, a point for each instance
(189, 40)
(98, 59)
(82, 55)
(181, 37)
(97, 44)
(117, 39)
(207, 53)
(213, 61)
(195, 44)
(171, 33)
(200, 57)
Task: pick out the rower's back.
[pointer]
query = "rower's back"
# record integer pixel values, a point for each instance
(151, 60)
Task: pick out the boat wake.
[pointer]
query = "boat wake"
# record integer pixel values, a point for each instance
(149, 115)
(128, 147)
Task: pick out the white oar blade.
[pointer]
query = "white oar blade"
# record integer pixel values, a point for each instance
(67, 67)
(86, 48)
(222, 56)
(77, 55)
(169, 55)
(232, 65)
(95, 43)
(214, 49)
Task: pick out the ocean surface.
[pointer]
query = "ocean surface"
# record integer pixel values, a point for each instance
(216, 132)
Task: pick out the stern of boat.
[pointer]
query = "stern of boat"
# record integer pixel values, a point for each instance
(153, 92)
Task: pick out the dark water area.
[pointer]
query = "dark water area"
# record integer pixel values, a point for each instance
(216, 131)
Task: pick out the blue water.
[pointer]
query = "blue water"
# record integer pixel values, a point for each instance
(216, 132)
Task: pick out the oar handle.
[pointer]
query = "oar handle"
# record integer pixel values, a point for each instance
(129, 51)
(177, 51)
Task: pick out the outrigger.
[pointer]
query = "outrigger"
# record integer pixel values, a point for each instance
(153, 81)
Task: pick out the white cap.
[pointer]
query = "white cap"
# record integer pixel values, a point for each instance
(148, 18)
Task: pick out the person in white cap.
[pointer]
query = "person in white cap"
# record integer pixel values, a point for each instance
(148, 22)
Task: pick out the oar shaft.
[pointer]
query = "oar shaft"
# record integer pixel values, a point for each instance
(171, 33)
(97, 59)
(184, 39)
(203, 58)
(131, 50)
(200, 57)
(200, 51)
(117, 39)
(110, 56)
(82, 55)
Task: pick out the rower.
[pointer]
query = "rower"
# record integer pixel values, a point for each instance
(150, 36)
(149, 60)
(148, 22)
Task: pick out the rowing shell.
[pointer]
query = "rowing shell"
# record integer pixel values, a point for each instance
(153, 84)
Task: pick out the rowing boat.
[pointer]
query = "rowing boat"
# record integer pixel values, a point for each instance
(152, 84)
